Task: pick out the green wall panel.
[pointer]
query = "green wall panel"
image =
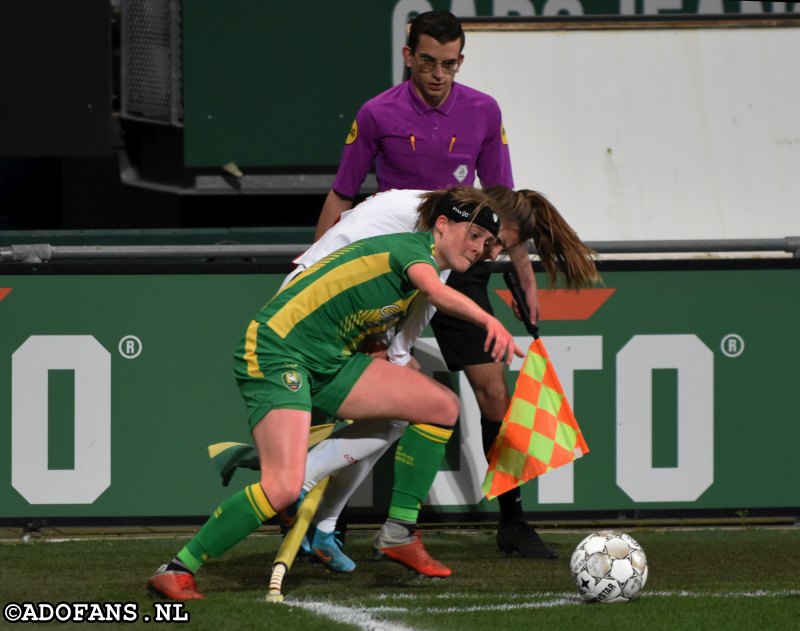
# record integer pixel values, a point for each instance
(277, 84)
(113, 385)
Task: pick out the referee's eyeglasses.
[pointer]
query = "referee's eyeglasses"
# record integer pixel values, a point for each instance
(427, 64)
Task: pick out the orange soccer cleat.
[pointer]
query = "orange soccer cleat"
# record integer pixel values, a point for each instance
(173, 585)
(412, 554)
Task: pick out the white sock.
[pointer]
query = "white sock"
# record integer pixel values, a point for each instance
(348, 446)
(341, 487)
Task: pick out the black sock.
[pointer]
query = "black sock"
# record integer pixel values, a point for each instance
(510, 501)
(510, 507)
(489, 431)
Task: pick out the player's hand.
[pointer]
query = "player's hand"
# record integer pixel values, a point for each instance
(501, 343)
(532, 300)
(518, 313)
(515, 309)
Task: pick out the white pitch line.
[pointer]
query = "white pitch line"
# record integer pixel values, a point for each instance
(358, 616)
(759, 593)
(540, 604)
(461, 596)
(364, 616)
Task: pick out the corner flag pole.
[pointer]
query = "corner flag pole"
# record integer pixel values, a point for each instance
(291, 543)
(539, 431)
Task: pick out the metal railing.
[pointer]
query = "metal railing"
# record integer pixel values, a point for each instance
(280, 253)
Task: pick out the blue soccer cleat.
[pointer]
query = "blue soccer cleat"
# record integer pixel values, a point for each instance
(328, 548)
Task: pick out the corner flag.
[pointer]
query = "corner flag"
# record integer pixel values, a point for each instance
(539, 431)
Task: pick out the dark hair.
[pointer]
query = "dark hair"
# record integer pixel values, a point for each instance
(558, 246)
(442, 26)
(466, 196)
(514, 210)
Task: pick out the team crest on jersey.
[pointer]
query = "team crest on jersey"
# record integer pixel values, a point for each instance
(352, 134)
(386, 314)
(292, 380)
(389, 311)
(503, 136)
(461, 173)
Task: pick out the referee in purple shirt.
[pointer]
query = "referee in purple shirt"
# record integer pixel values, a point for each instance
(431, 133)
(426, 133)
(429, 142)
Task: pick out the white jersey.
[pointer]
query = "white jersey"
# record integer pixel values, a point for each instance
(384, 213)
(389, 212)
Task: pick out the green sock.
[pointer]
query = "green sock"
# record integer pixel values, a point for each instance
(235, 518)
(416, 462)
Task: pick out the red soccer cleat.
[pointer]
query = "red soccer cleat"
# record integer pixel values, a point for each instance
(414, 555)
(173, 585)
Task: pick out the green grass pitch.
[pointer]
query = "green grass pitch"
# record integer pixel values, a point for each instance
(724, 578)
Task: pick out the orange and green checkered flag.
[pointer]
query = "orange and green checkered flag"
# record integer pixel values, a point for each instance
(539, 431)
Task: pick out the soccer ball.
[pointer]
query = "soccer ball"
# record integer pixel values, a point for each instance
(609, 567)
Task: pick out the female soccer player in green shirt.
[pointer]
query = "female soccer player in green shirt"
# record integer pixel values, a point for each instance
(301, 346)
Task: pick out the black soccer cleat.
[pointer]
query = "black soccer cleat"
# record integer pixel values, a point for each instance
(521, 537)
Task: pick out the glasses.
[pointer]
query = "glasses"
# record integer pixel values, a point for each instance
(427, 64)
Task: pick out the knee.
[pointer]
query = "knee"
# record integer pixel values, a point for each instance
(283, 491)
(492, 397)
(491, 386)
(449, 409)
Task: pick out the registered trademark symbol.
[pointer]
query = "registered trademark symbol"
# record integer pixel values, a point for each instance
(732, 345)
(130, 347)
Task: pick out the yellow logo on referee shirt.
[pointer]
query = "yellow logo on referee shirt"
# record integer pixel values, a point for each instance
(503, 136)
(353, 134)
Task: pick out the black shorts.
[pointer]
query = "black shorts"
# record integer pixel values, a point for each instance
(461, 342)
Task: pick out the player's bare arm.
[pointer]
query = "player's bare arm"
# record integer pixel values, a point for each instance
(426, 280)
(333, 207)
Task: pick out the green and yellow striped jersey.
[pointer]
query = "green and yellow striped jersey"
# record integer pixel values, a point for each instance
(357, 291)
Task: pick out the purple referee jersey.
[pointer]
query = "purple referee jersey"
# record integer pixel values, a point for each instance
(414, 145)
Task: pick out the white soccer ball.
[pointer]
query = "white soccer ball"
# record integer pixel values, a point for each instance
(609, 567)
